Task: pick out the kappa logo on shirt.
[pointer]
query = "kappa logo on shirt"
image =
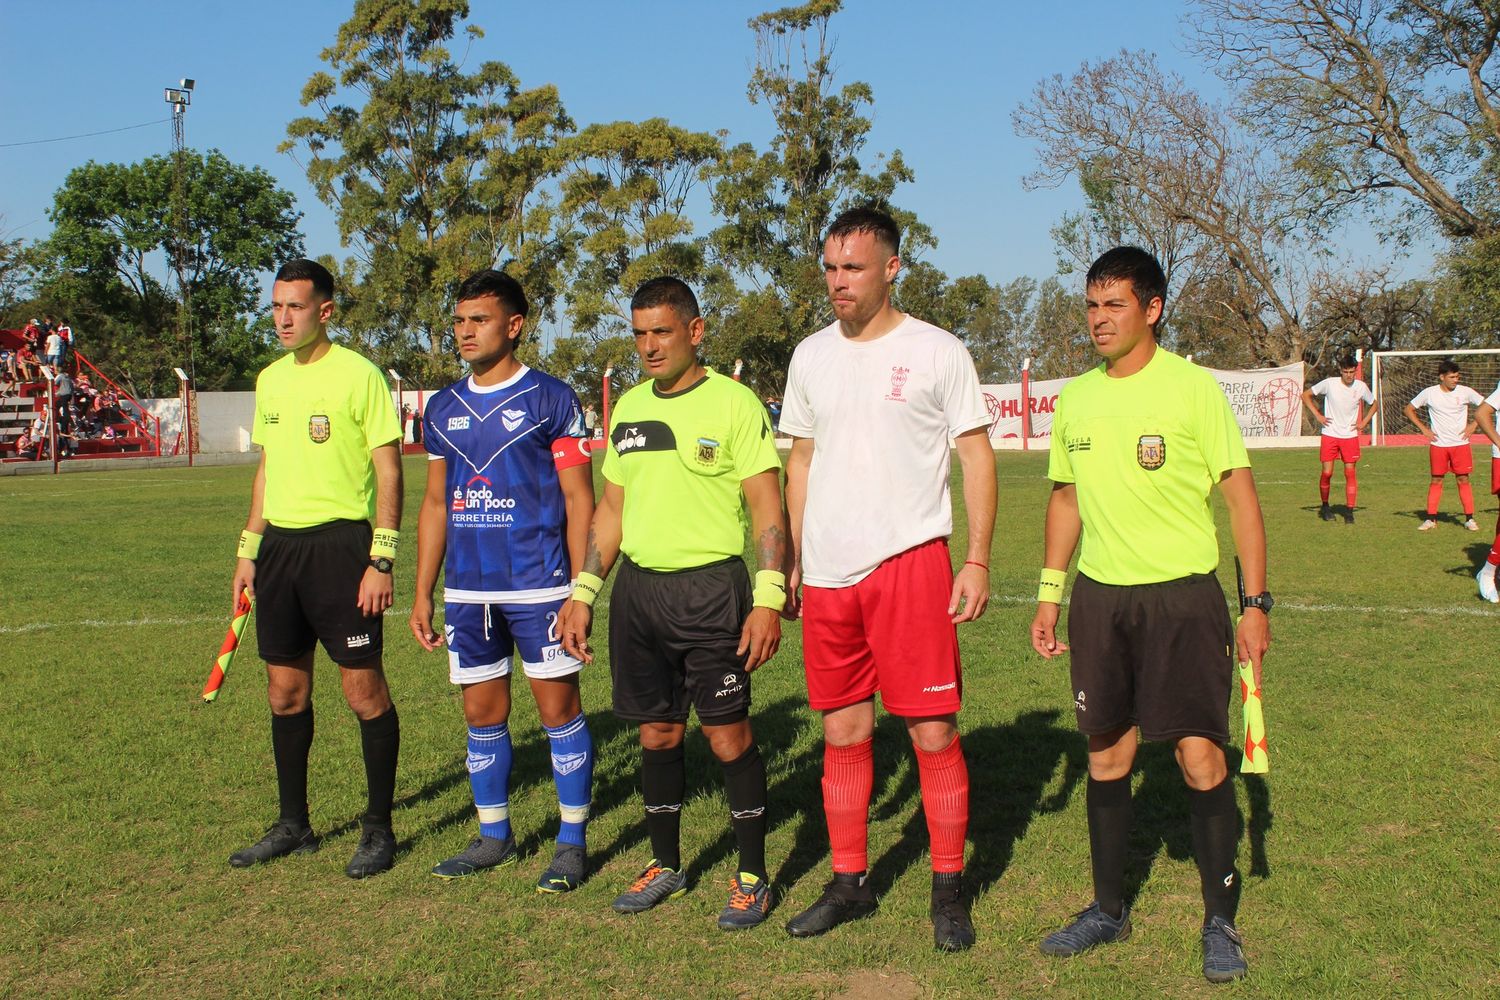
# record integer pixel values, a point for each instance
(512, 418)
(458, 423)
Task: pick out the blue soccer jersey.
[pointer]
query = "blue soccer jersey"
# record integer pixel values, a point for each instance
(503, 445)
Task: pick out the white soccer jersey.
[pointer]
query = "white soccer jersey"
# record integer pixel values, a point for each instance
(1448, 412)
(880, 414)
(1341, 405)
(1494, 400)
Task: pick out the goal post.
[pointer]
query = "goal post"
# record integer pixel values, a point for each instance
(1397, 376)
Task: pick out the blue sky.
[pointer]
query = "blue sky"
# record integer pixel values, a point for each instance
(946, 77)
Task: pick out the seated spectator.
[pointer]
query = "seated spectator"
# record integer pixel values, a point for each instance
(26, 364)
(24, 443)
(8, 370)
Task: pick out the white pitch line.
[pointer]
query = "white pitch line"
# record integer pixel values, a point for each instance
(1282, 606)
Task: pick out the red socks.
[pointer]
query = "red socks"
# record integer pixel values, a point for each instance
(1434, 497)
(848, 777)
(1351, 486)
(1466, 497)
(945, 800)
(1324, 481)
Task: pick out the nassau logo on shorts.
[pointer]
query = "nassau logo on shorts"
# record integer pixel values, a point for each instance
(319, 428)
(1151, 452)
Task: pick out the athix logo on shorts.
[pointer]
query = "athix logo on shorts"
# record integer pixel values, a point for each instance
(630, 440)
(512, 418)
(1078, 700)
(934, 688)
(567, 763)
(899, 375)
(729, 684)
(355, 641)
(477, 504)
(479, 761)
(458, 423)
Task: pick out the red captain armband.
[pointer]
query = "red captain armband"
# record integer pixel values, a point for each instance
(570, 451)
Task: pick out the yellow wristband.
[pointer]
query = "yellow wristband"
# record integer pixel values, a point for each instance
(249, 545)
(586, 588)
(383, 543)
(1050, 590)
(770, 590)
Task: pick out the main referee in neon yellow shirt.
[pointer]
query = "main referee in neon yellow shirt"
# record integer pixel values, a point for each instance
(1137, 445)
(317, 555)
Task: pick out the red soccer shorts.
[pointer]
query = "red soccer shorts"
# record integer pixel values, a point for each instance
(1459, 460)
(1495, 475)
(889, 633)
(1344, 450)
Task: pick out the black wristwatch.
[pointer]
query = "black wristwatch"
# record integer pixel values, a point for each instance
(1263, 600)
(381, 564)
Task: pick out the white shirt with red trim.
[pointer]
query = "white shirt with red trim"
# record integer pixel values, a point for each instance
(1341, 405)
(1448, 412)
(881, 415)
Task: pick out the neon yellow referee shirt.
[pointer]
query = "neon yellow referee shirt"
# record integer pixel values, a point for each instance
(1144, 452)
(317, 424)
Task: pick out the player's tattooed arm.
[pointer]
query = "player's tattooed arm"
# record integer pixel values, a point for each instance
(760, 636)
(770, 548)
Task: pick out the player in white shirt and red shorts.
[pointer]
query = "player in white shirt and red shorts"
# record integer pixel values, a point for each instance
(1484, 418)
(1342, 397)
(871, 404)
(1447, 406)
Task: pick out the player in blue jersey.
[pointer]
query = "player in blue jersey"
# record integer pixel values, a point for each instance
(509, 498)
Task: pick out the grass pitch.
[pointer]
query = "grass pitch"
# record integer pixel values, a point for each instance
(1370, 858)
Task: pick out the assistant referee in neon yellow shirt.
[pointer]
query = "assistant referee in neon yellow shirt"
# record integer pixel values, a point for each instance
(317, 554)
(1137, 446)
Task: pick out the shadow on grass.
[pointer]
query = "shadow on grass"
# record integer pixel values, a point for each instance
(1011, 767)
(1162, 818)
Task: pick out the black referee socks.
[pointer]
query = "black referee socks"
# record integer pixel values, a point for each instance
(1109, 811)
(291, 742)
(380, 738)
(663, 779)
(745, 788)
(1216, 836)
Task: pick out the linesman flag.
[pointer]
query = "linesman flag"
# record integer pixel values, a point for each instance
(226, 651)
(1255, 759)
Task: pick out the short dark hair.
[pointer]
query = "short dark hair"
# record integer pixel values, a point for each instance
(667, 291)
(1132, 264)
(497, 283)
(1448, 365)
(1347, 362)
(867, 219)
(303, 269)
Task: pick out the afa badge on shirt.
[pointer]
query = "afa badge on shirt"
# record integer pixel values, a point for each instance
(319, 428)
(708, 451)
(1151, 451)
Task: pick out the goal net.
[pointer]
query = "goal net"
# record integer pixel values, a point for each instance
(1397, 376)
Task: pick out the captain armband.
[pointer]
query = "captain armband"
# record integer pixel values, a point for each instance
(383, 543)
(249, 545)
(1050, 589)
(586, 588)
(770, 590)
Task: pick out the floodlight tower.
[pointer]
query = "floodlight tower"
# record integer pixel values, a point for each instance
(179, 98)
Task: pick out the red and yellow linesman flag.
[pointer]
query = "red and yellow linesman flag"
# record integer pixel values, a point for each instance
(226, 651)
(1255, 759)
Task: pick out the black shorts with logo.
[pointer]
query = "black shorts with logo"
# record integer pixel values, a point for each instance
(306, 589)
(1156, 655)
(672, 641)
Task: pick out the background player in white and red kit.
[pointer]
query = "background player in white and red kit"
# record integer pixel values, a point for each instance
(1484, 419)
(1447, 405)
(509, 497)
(871, 404)
(1342, 426)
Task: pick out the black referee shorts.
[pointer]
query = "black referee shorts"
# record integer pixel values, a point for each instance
(306, 589)
(672, 641)
(1156, 655)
